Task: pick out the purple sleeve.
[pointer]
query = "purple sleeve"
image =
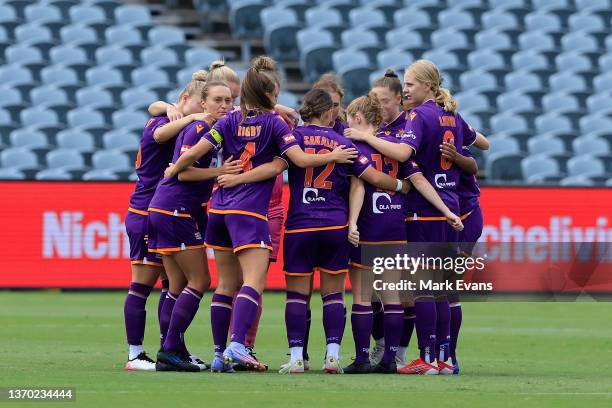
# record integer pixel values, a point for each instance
(360, 165)
(215, 135)
(156, 122)
(413, 131)
(469, 134)
(193, 134)
(283, 136)
(409, 168)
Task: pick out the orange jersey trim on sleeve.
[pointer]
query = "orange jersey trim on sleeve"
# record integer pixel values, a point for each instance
(336, 227)
(241, 212)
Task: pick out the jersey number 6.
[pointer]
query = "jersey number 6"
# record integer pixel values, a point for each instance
(448, 137)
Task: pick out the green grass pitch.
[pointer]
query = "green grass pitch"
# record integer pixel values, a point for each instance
(511, 355)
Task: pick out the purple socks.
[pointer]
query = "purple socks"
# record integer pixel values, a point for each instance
(393, 323)
(443, 323)
(425, 323)
(378, 325)
(245, 311)
(220, 317)
(408, 326)
(456, 315)
(361, 322)
(296, 315)
(184, 311)
(135, 313)
(333, 317)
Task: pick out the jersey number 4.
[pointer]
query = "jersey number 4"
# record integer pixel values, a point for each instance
(320, 181)
(245, 157)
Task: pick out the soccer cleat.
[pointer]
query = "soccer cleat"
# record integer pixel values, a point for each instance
(141, 363)
(358, 368)
(175, 361)
(252, 353)
(400, 361)
(376, 355)
(199, 362)
(455, 367)
(306, 365)
(384, 368)
(419, 367)
(444, 368)
(292, 367)
(218, 366)
(332, 365)
(237, 354)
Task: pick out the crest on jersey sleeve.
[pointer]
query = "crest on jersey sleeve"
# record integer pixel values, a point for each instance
(363, 160)
(289, 138)
(412, 115)
(199, 128)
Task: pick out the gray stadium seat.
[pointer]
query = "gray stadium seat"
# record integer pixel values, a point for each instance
(59, 76)
(288, 99)
(53, 174)
(68, 55)
(499, 20)
(104, 77)
(76, 139)
(394, 58)
(603, 82)
(592, 5)
(150, 77)
(94, 97)
(568, 82)
(595, 125)
(245, 18)
(406, 39)
(553, 124)
(87, 14)
(138, 98)
(465, 4)
(23, 54)
(503, 167)
(591, 145)
(15, 75)
(523, 81)
(471, 101)
(11, 173)
(43, 13)
(509, 123)
(515, 102)
(65, 159)
(316, 49)
(111, 160)
(100, 175)
(121, 141)
(536, 41)
(576, 181)
(7, 14)
(560, 103)
(444, 60)
(354, 68)
(202, 57)
(158, 56)
(530, 61)
(280, 28)
(132, 14)
(19, 159)
(543, 21)
(605, 61)
(573, 62)
(367, 17)
(457, 19)
(159, 36)
(585, 165)
(10, 97)
(546, 145)
(413, 19)
(33, 33)
(537, 167)
(125, 36)
(323, 17)
(359, 38)
(449, 39)
(185, 74)
(478, 81)
(39, 117)
(113, 56)
(503, 144)
(77, 34)
(579, 42)
(600, 103)
(129, 120)
(29, 138)
(487, 60)
(493, 40)
(589, 23)
(85, 118)
(173, 95)
(49, 95)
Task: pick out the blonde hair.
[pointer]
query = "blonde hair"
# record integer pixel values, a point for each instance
(218, 71)
(370, 108)
(197, 84)
(424, 71)
(331, 83)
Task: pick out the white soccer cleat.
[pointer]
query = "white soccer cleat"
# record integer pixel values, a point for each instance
(199, 362)
(141, 363)
(292, 367)
(376, 354)
(445, 367)
(400, 359)
(332, 365)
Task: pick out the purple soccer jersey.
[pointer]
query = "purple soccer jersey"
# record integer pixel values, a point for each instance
(382, 207)
(186, 196)
(257, 139)
(395, 128)
(427, 127)
(319, 196)
(339, 126)
(468, 189)
(151, 161)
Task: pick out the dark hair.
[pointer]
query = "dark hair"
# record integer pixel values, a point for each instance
(369, 106)
(390, 81)
(315, 103)
(260, 80)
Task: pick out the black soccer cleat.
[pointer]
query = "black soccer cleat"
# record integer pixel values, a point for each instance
(384, 368)
(175, 361)
(358, 368)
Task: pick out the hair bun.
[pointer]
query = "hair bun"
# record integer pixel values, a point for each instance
(390, 73)
(199, 75)
(263, 63)
(216, 64)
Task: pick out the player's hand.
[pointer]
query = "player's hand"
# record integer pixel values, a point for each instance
(454, 221)
(231, 166)
(289, 115)
(406, 185)
(228, 180)
(173, 113)
(343, 154)
(449, 151)
(169, 172)
(353, 235)
(203, 117)
(355, 134)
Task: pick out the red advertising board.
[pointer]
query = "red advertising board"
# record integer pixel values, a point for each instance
(71, 234)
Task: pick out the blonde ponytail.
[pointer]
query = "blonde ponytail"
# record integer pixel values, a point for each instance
(446, 100)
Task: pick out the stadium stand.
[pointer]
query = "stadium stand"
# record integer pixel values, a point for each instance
(534, 75)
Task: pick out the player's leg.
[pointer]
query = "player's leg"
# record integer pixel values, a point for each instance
(393, 325)
(361, 320)
(332, 290)
(308, 321)
(407, 329)
(298, 292)
(176, 284)
(378, 329)
(165, 285)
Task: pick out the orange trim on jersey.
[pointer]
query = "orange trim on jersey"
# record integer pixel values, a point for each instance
(135, 211)
(316, 229)
(464, 216)
(299, 273)
(360, 266)
(241, 247)
(175, 249)
(242, 212)
(219, 248)
(329, 271)
(408, 219)
(381, 242)
(170, 213)
(148, 263)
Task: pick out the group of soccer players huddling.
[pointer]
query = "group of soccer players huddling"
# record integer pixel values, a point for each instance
(397, 142)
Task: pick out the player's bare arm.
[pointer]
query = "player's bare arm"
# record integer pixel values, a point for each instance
(340, 154)
(230, 167)
(356, 196)
(467, 164)
(426, 189)
(189, 157)
(259, 173)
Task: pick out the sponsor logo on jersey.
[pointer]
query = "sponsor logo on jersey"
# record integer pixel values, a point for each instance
(311, 195)
(440, 181)
(199, 128)
(409, 135)
(381, 202)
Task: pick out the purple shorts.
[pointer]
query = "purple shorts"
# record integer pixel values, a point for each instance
(230, 231)
(137, 229)
(472, 229)
(437, 232)
(308, 249)
(172, 233)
